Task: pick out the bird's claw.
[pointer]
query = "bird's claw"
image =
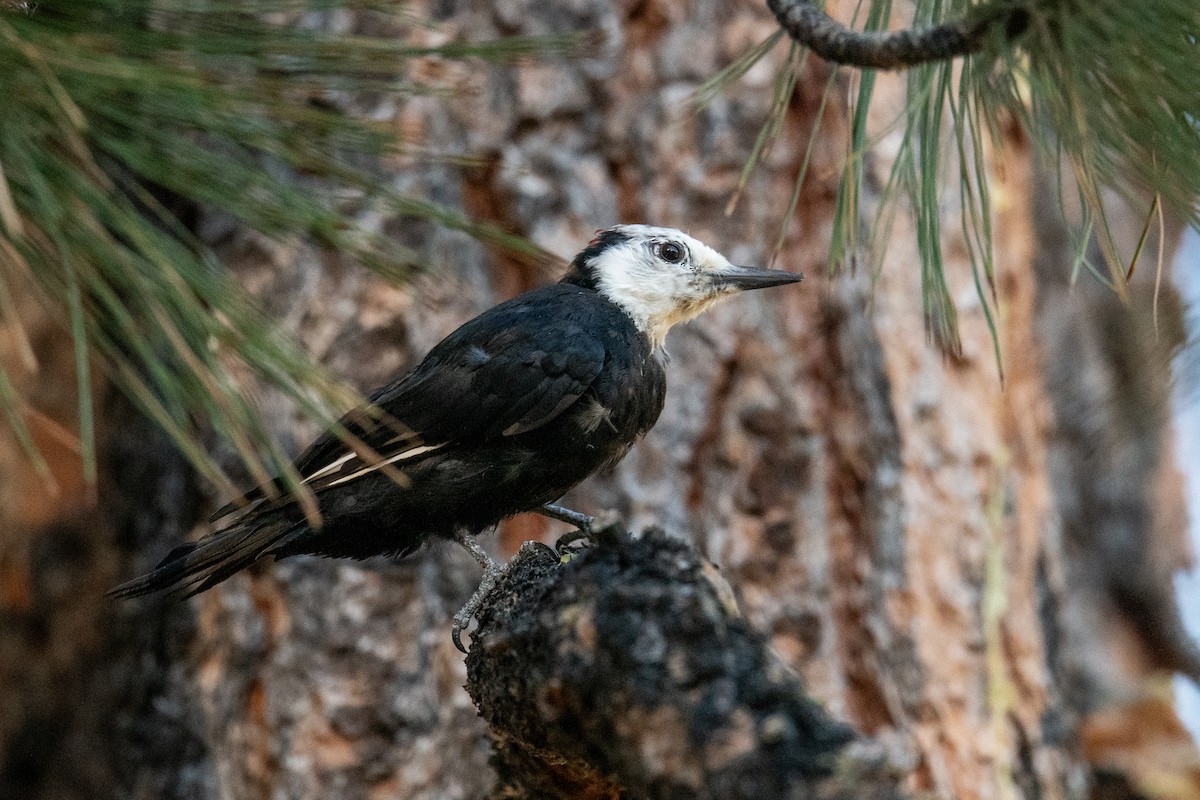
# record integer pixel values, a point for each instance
(456, 635)
(567, 544)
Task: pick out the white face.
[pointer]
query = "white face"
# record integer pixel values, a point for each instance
(661, 276)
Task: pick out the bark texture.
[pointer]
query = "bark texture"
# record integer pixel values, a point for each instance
(916, 542)
(628, 670)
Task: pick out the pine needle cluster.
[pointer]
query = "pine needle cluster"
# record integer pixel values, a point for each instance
(1107, 89)
(116, 113)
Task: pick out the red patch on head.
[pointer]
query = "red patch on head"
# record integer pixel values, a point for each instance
(596, 239)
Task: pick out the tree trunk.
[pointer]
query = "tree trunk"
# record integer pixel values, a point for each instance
(974, 576)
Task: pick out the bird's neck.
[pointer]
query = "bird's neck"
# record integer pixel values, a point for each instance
(580, 278)
(651, 323)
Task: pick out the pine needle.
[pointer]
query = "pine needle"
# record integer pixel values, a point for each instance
(844, 244)
(12, 406)
(83, 373)
(731, 74)
(802, 173)
(1143, 236)
(785, 83)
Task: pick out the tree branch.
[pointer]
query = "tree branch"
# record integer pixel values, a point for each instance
(833, 41)
(628, 672)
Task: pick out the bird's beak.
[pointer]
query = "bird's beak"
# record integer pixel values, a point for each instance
(739, 279)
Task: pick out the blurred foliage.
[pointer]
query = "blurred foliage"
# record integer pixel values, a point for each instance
(1107, 89)
(116, 112)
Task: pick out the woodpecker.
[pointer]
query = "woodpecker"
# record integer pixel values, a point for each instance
(504, 415)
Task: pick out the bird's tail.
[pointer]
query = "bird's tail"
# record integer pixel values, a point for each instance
(194, 567)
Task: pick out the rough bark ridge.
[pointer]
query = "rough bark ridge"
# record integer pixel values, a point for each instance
(628, 671)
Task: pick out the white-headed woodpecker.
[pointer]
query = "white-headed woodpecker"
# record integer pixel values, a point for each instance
(505, 415)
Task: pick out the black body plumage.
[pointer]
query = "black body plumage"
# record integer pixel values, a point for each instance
(505, 415)
(518, 405)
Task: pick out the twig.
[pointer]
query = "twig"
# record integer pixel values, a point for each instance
(833, 41)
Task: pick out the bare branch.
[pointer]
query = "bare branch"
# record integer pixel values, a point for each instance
(833, 41)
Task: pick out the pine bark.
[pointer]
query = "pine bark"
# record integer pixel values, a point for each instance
(937, 557)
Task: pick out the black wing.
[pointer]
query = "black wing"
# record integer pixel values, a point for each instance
(509, 371)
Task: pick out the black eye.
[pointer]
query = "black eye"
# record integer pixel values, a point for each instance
(670, 252)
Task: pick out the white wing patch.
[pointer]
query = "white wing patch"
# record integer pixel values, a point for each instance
(329, 468)
(407, 454)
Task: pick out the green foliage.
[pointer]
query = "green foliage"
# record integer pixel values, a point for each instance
(1116, 83)
(110, 105)
(1106, 88)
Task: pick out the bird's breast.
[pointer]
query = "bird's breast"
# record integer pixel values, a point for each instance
(628, 399)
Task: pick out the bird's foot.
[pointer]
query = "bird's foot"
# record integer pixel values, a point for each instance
(567, 546)
(491, 573)
(581, 521)
(592, 530)
(462, 620)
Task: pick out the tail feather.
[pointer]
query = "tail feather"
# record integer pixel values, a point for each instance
(194, 567)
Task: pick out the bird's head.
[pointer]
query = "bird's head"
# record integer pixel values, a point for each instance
(661, 276)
